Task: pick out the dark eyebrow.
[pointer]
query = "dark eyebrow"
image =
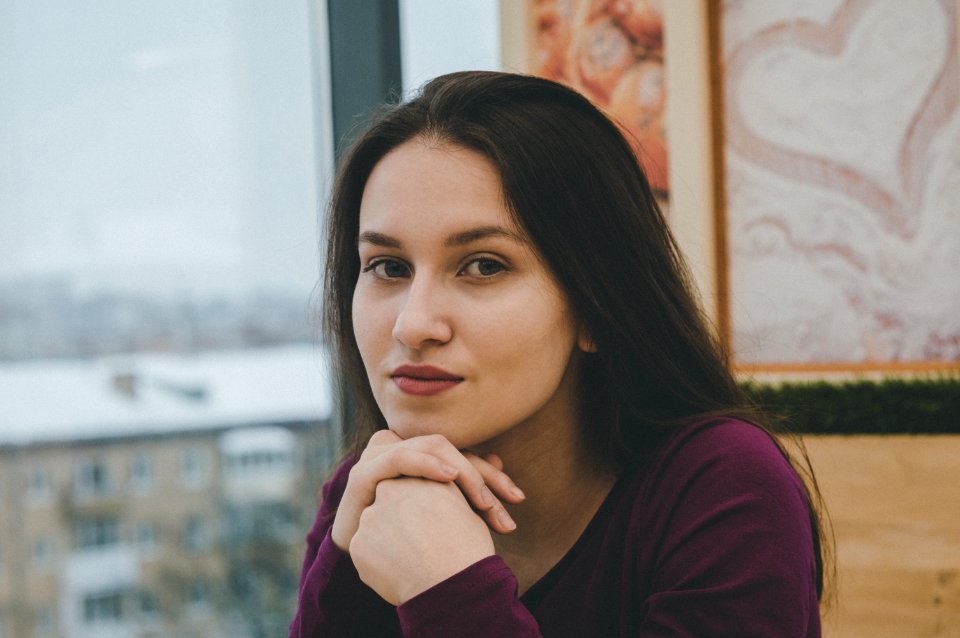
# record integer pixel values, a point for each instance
(483, 232)
(378, 239)
(458, 239)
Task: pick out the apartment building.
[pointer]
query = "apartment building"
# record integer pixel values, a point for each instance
(159, 495)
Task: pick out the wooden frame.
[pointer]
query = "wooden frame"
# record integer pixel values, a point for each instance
(875, 367)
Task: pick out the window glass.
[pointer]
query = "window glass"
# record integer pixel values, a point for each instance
(39, 490)
(194, 471)
(145, 537)
(44, 621)
(141, 473)
(195, 534)
(103, 606)
(42, 552)
(92, 479)
(97, 532)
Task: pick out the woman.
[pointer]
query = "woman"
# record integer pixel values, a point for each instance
(511, 312)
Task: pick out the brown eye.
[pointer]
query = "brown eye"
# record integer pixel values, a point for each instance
(388, 269)
(483, 267)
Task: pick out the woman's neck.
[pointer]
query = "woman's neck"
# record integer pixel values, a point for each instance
(564, 486)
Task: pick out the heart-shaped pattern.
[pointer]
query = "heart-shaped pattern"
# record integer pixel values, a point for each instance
(828, 59)
(842, 122)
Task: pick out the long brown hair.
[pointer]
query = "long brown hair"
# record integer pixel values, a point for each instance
(573, 184)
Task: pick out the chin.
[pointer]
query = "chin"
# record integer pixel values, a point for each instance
(410, 427)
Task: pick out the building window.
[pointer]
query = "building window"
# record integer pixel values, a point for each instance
(149, 608)
(141, 473)
(195, 536)
(96, 532)
(42, 552)
(194, 468)
(146, 538)
(39, 491)
(103, 607)
(92, 479)
(44, 621)
(198, 598)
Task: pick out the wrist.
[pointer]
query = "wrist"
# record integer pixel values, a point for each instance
(441, 573)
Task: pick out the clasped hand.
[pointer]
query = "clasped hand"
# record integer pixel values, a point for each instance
(417, 511)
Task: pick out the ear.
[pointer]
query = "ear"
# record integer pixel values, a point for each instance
(585, 342)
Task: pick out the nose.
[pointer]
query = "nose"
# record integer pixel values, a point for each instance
(422, 320)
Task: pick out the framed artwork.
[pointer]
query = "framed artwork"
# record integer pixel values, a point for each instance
(838, 183)
(611, 51)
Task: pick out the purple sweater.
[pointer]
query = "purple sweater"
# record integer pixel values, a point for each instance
(710, 538)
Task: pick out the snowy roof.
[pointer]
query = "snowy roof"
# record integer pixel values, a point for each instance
(257, 439)
(145, 394)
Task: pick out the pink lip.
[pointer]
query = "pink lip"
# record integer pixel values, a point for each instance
(423, 380)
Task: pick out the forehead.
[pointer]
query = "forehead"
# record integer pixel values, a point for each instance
(428, 187)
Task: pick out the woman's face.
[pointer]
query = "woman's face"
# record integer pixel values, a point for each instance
(462, 330)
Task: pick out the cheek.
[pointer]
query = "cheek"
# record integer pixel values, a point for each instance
(369, 323)
(533, 333)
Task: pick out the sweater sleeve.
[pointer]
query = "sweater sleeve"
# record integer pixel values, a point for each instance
(333, 602)
(734, 547)
(479, 601)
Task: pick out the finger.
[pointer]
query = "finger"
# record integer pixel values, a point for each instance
(389, 463)
(400, 461)
(469, 479)
(434, 457)
(495, 478)
(498, 519)
(493, 460)
(381, 438)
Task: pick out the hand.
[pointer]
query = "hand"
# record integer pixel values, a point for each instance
(416, 534)
(387, 456)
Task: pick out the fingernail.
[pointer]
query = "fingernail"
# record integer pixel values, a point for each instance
(486, 496)
(506, 521)
(518, 492)
(449, 469)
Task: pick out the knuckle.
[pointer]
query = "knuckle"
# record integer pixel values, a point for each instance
(380, 437)
(363, 518)
(384, 489)
(437, 441)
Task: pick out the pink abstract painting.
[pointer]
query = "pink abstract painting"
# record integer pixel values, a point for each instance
(612, 52)
(841, 128)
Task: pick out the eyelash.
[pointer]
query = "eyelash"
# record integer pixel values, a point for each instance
(374, 264)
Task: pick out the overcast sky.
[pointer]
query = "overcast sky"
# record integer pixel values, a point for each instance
(174, 146)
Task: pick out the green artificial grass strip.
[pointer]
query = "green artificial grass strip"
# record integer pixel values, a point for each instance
(892, 406)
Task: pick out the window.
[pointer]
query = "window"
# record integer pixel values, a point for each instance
(44, 621)
(42, 552)
(149, 607)
(141, 473)
(195, 537)
(198, 597)
(92, 480)
(146, 538)
(194, 470)
(151, 140)
(103, 607)
(97, 532)
(39, 491)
